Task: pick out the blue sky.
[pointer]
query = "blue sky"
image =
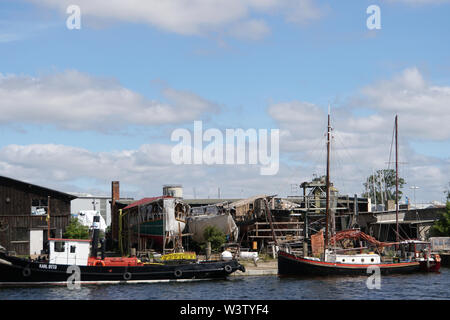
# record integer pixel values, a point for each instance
(318, 60)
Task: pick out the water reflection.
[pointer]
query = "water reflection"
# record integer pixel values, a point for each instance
(415, 286)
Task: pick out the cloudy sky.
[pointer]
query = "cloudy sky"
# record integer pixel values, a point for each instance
(82, 107)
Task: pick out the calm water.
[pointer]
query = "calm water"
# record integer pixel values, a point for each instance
(416, 287)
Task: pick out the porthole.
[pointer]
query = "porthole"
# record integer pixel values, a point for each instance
(343, 260)
(362, 260)
(372, 259)
(353, 260)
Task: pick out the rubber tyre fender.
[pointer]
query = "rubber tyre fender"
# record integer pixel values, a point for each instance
(26, 272)
(228, 268)
(178, 273)
(127, 275)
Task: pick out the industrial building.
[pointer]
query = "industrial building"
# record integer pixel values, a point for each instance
(100, 203)
(23, 212)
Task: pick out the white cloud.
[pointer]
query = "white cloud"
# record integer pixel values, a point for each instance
(251, 29)
(362, 143)
(196, 17)
(142, 172)
(304, 11)
(77, 101)
(424, 107)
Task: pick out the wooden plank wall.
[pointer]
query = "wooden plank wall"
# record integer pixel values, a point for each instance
(15, 215)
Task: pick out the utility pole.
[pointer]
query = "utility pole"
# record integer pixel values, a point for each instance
(381, 187)
(374, 189)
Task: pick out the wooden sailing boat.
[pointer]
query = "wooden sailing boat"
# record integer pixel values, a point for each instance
(339, 261)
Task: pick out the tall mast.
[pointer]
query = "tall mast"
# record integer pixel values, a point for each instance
(328, 181)
(396, 175)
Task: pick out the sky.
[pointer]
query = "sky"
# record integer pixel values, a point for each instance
(80, 108)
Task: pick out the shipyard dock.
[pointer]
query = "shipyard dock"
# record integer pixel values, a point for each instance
(262, 268)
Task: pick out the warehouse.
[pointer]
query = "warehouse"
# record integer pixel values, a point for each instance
(23, 212)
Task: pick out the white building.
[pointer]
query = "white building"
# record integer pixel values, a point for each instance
(86, 217)
(87, 201)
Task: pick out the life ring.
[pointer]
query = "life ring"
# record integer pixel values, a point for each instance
(437, 258)
(26, 272)
(127, 276)
(97, 262)
(178, 273)
(228, 268)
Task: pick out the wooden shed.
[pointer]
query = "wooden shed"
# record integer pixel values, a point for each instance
(23, 213)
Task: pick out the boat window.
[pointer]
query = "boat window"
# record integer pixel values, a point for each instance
(353, 260)
(72, 249)
(59, 246)
(343, 260)
(372, 259)
(362, 260)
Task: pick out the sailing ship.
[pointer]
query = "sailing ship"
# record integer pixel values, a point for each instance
(72, 259)
(334, 260)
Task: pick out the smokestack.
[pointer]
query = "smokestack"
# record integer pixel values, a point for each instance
(95, 228)
(115, 196)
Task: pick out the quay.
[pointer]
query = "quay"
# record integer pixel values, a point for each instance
(262, 268)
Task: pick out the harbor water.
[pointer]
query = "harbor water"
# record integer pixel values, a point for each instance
(419, 286)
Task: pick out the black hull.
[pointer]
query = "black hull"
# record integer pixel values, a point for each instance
(445, 260)
(290, 265)
(18, 271)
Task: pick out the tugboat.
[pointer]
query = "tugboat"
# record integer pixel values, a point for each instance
(77, 259)
(338, 261)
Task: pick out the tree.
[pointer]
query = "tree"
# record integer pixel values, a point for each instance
(75, 230)
(441, 228)
(383, 181)
(215, 236)
(447, 192)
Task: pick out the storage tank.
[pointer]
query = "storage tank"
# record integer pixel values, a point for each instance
(171, 190)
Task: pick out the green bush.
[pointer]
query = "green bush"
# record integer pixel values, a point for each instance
(441, 228)
(215, 236)
(75, 230)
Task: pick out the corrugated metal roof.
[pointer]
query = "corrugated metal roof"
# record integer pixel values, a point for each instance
(144, 201)
(247, 201)
(207, 201)
(30, 185)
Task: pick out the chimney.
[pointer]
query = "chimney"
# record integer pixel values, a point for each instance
(115, 196)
